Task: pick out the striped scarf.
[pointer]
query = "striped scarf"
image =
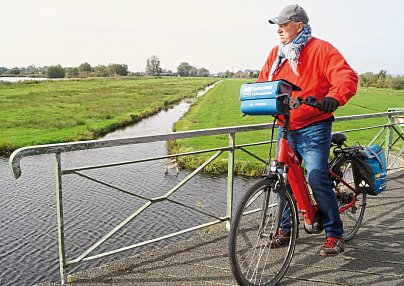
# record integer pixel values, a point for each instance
(291, 51)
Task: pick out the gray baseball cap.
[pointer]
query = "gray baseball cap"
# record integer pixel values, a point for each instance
(291, 13)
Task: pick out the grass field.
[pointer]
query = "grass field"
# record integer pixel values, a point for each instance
(36, 112)
(221, 107)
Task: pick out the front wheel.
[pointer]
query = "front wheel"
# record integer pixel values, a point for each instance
(351, 203)
(253, 258)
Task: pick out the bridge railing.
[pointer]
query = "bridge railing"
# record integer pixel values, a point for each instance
(387, 130)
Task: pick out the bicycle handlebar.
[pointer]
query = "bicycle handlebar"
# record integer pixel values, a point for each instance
(310, 101)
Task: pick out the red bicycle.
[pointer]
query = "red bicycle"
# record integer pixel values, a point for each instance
(257, 218)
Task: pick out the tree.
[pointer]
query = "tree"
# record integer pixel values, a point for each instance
(397, 83)
(14, 71)
(71, 72)
(375, 80)
(101, 71)
(55, 72)
(153, 66)
(167, 72)
(183, 69)
(228, 74)
(32, 69)
(366, 79)
(85, 67)
(381, 78)
(203, 72)
(193, 71)
(117, 69)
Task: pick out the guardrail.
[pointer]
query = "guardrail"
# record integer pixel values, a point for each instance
(57, 149)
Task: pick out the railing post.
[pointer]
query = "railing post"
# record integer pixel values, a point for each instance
(388, 138)
(230, 178)
(59, 212)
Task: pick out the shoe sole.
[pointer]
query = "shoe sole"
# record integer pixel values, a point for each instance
(331, 254)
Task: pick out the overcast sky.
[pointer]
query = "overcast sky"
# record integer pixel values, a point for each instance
(219, 35)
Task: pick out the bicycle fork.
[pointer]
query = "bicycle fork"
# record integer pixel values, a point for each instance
(275, 187)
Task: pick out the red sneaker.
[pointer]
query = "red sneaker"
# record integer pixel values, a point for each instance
(332, 246)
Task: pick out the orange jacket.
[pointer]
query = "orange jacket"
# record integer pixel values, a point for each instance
(323, 72)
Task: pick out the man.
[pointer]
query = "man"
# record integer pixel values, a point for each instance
(321, 71)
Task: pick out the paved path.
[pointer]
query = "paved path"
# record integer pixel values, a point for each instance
(374, 257)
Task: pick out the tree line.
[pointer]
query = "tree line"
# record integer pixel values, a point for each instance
(381, 79)
(184, 69)
(153, 68)
(57, 71)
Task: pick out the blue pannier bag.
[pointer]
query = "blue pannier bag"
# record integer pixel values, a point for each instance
(266, 98)
(370, 170)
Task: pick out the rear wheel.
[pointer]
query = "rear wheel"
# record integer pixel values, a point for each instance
(253, 258)
(351, 204)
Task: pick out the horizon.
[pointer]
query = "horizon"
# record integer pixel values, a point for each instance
(173, 71)
(216, 35)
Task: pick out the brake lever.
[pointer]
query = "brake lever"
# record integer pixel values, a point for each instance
(294, 103)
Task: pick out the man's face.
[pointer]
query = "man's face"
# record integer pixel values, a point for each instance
(287, 32)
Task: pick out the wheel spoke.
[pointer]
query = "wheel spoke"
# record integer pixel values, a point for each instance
(351, 204)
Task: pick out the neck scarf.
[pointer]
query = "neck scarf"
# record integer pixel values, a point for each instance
(291, 51)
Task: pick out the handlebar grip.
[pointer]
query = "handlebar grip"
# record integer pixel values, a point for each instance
(310, 101)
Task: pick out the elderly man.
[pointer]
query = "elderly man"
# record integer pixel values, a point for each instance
(321, 71)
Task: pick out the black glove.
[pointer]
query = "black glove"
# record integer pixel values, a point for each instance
(328, 104)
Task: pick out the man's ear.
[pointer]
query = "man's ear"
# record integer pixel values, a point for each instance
(301, 26)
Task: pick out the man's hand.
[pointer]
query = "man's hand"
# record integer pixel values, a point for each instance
(328, 104)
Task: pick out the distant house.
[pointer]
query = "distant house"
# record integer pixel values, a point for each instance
(241, 74)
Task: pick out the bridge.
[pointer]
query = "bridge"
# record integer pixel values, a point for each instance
(374, 257)
(376, 251)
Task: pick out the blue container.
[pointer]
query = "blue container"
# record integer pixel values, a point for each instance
(264, 98)
(375, 158)
(370, 170)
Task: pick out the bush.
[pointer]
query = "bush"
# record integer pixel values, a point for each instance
(397, 83)
(55, 72)
(381, 80)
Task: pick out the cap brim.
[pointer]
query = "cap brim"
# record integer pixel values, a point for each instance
(278, 20)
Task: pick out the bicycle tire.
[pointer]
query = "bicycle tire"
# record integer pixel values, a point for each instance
(248, 247)
(352, 217)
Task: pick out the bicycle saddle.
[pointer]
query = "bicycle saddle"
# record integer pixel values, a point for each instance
(338, 138)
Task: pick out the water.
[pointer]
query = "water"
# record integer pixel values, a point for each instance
(28, 237)
(21, 78)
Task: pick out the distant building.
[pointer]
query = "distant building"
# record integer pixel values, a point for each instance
(241, 74)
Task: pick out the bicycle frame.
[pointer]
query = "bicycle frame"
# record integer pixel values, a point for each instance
(341, 180)
(293, 173)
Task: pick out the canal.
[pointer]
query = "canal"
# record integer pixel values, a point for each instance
(28, 238)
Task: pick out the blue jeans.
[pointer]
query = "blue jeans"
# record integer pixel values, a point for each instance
(312, 144)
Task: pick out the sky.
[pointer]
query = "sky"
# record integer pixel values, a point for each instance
(218, 35)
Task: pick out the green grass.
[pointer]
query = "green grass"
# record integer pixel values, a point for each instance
(221, 107)
(36, 112)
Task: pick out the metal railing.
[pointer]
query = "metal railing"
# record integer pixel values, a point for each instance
(57, 149)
